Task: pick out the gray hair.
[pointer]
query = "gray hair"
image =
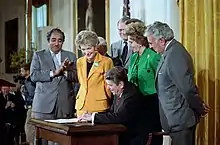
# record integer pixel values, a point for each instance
(160, 30)
(102, 41)
(123, 20)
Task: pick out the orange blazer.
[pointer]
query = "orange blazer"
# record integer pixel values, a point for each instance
(93, 95)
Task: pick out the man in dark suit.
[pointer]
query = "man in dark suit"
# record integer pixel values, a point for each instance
(102, 48)
(53, 70)
(128, 108)
(13, 114)
(180, 105)
(121, 48)
(2, 114)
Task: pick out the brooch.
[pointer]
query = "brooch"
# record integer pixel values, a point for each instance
(96, 64)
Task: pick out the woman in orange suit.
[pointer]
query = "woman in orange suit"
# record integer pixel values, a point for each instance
(93, 95)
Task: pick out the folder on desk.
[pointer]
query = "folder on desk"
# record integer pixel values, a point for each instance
(71, 120)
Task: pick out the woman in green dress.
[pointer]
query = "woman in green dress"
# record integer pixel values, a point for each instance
(141, 72)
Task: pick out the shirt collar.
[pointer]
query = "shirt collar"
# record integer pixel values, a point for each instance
(52, 53)
(167, 44)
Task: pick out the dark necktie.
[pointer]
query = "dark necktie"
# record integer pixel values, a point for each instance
(125, 52)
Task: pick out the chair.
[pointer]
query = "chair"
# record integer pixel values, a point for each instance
(150, 136)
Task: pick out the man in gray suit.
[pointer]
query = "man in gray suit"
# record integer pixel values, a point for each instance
(180, 105)
(121, 48)
(53, 70)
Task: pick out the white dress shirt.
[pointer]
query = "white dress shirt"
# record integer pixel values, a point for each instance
(58, 56)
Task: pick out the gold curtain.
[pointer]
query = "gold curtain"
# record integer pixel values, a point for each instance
(200, 34)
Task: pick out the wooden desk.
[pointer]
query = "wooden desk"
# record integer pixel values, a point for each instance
(77, 133)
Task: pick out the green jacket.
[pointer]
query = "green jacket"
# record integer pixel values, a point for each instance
(142, 70)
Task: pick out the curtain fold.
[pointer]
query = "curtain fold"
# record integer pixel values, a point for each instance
(200, 34)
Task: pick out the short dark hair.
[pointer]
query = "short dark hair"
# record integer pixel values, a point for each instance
(123, 20)
(116, 74)
(26, 66)
(55, 30)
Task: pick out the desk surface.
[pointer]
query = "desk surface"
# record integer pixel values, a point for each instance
(73, 128)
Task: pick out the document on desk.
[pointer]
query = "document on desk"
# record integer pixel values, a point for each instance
(71, 120)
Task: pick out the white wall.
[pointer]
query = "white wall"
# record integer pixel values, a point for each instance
(157, 10)
(115, 14)
(10, 9)
(62, 17)
(148, 11)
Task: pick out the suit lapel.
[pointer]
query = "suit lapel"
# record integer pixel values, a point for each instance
(83, 70)
(120, 46)
(63, 55)
(164, 56)
(49, 59)
(96, 65)
(159, 66)
(119, 102)
(129, 54)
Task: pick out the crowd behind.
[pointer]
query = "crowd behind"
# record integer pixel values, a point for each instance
(145, 82)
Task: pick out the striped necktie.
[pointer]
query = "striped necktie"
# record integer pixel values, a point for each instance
(56, 62)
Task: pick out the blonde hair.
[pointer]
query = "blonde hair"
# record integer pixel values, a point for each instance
(86, 37)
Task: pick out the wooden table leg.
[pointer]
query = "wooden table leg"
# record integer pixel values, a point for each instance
(38, 140)
(115, 139)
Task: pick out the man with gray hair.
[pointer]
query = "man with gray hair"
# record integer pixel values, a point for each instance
(121, 48)
(180, 105)
(102, 47)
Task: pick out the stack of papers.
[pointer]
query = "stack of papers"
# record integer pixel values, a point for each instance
(72, 120)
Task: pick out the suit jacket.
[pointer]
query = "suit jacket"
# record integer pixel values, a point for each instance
(3, 115)
(116, 50)
(142, 70)
(29, 88)
(16, 114)
(2, 110)
(131, 111)
(93, 95)
(49, 91)
(116, 60)
(180, 104)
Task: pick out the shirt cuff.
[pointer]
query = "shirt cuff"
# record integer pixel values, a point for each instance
(51, 74)
(65, 73)
(93, 117)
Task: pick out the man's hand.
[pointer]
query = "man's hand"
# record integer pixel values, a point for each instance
(67, 64)
(8, 104)
(206, 109)
(12, 105)
(58, 71)
(85, 117)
